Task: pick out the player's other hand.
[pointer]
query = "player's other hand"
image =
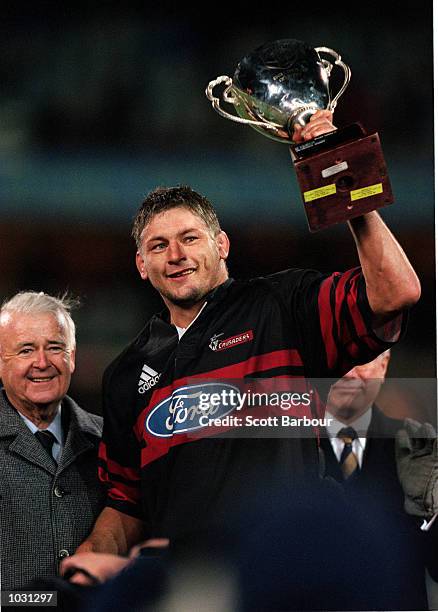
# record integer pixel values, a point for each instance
(319, 123)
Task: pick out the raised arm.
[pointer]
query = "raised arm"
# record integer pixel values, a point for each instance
(391, 282)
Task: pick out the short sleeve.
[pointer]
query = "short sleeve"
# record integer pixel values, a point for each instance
(333, 321)
(348, 324)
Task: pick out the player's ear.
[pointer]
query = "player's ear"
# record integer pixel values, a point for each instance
(223, 244)
(139, 262)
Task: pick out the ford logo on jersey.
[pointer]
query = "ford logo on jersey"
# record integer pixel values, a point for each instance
(181, 412)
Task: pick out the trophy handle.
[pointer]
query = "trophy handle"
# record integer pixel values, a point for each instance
(227, 96)
(328, 66)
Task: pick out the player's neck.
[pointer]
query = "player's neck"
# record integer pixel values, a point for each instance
(183, 314)
(183, 317)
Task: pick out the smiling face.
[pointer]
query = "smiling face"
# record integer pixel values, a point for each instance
(36, 361)
(354, 393)
(181, 257)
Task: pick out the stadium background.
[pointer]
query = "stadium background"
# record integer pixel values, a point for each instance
(101, 103)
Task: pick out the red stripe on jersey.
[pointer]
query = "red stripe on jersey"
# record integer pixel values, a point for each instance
(257, 363)
(326, 320)
(358, 321)
(114, 467)
(357, 318)
(119, 490)
(336, 291)
(346, 295)
(340, 294)
(159, 446)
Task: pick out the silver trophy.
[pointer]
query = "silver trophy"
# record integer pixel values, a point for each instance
(279, 84)
(341, 174)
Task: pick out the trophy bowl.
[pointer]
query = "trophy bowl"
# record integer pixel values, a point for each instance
(279, 84)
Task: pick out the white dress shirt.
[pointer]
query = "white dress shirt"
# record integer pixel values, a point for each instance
(55, 428)
(360, 425)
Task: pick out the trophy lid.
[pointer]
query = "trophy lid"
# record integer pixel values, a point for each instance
(284, 74)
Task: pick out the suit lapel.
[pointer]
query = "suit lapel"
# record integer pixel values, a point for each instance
(76, 443)
(77, 423)
(28, 447)
(379, 440)
(23, 442)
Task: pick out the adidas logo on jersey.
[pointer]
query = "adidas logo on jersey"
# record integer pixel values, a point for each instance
(148, 378)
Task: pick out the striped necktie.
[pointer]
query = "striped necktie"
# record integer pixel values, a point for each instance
(348, 460)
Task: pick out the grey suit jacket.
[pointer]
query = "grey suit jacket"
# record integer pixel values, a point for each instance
(46, 511)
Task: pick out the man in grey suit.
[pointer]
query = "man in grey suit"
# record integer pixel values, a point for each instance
(50, 495)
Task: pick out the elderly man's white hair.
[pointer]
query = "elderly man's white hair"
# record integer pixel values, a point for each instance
(33, 302)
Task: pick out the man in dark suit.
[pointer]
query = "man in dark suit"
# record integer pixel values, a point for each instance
(50, 495)
(360, 452)
(356, 457)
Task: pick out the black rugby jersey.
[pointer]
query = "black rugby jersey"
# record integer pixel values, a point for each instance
(296, 323)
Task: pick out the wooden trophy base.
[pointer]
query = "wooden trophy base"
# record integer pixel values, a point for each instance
(341, 175)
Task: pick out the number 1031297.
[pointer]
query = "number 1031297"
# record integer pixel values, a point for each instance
(29, 598)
